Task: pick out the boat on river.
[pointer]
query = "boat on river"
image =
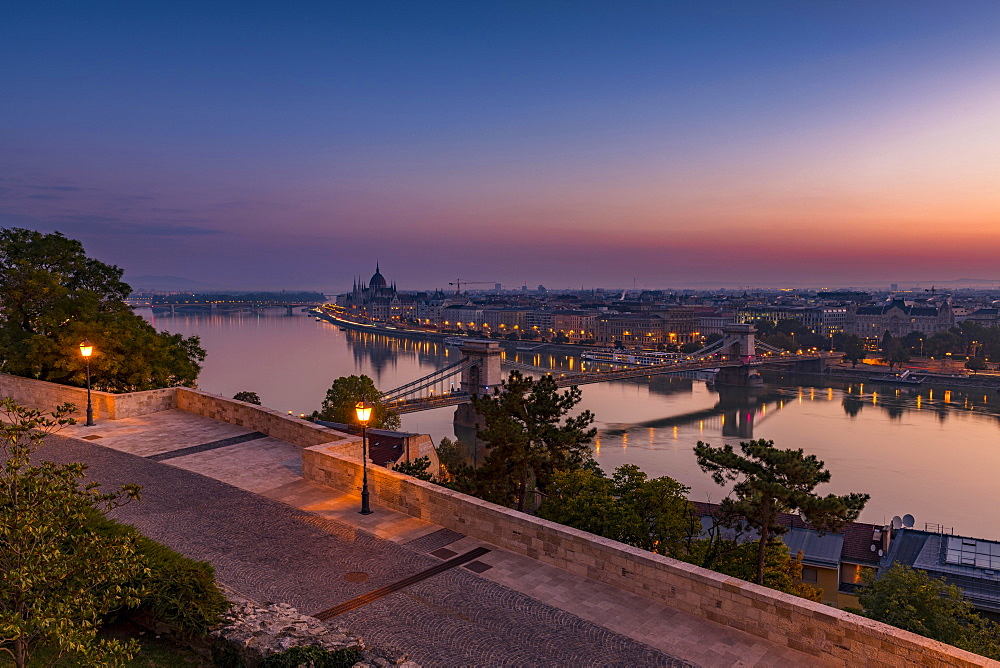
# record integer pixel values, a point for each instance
(905, 378)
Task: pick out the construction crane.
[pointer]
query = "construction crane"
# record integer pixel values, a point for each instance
(458, 284)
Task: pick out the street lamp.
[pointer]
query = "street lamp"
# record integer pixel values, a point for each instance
(86, 350)
(364, 412)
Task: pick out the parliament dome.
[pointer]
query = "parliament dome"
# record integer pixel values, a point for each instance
(378, 281)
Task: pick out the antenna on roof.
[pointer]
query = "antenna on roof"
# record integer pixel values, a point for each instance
(897, 523)
(908, 520)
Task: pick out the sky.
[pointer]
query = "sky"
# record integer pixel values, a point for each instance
(573, 144)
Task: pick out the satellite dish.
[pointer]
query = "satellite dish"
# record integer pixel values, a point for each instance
(897, 523)
(908, 520)
(872, 547)
(880, 553)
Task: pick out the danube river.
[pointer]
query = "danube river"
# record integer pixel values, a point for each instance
(933, 453)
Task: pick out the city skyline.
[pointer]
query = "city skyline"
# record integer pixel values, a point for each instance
(834, 144)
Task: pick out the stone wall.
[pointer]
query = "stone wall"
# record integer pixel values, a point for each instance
(134, 404)
(832, 636)
(46, 396)
(107, 406)
(294, 430)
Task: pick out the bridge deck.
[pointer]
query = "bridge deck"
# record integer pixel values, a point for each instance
(587, 378)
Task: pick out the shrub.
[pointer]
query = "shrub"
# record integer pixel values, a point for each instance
(176, 590)
(313, 656)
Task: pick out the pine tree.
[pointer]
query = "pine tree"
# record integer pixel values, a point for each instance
(770, 481)
(530, 437)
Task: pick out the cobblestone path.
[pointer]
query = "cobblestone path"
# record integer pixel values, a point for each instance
(270, 552)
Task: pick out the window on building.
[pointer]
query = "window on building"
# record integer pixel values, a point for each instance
(810, 574)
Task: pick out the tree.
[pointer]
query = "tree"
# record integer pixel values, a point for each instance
(654, 515)
(914, 601)
(344, 395)
(248, 397)
(658, 515)
(418, 468)
(782, 571)
(941, 343)
(530, 436)
(59, 576)
(584, 499)
(769, 481)
(975, 364)
(691, 347)
(854, 350)
(53, 297)
(893, 352)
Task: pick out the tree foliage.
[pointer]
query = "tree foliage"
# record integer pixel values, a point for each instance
(654, 515)
(248, 397)
(854, 350)
(975, 364)
(769, 481)
(418, 468)
(344, 395)
(782, 570)
(58, 575)
(894, 352)
(912, 600)
(530, 437)
(53, 297)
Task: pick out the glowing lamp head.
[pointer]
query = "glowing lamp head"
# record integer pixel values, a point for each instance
(86, 348)
(364, 412)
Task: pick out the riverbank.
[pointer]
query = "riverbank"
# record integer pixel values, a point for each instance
(426, 335)
(880, 374)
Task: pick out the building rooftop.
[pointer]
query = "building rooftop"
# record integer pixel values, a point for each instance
(972, 564)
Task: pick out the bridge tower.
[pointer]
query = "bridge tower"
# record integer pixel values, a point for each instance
(738, 344)
(484, 374)
(480, 378)
(739, 341)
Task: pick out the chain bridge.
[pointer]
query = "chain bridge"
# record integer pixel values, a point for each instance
(479, 371)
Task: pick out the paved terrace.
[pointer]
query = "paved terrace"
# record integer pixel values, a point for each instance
(235, 497)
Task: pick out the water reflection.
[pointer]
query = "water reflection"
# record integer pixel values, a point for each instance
(896, 403)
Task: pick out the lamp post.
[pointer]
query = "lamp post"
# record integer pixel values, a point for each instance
(86, 350)
(364, 412)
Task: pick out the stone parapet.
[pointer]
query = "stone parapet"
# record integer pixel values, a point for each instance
(278, 425)
(46, 396)
(832, 636)
(107, 406)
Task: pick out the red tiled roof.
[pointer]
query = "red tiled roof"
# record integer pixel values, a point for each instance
(858, 539)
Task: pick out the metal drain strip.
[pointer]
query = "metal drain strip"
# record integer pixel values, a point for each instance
(382, 592)
(204, 447)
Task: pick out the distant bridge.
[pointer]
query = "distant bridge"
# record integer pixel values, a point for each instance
(736, 356)
(221, 306)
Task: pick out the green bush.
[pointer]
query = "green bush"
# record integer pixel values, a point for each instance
(313, 656)
(176, 590)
